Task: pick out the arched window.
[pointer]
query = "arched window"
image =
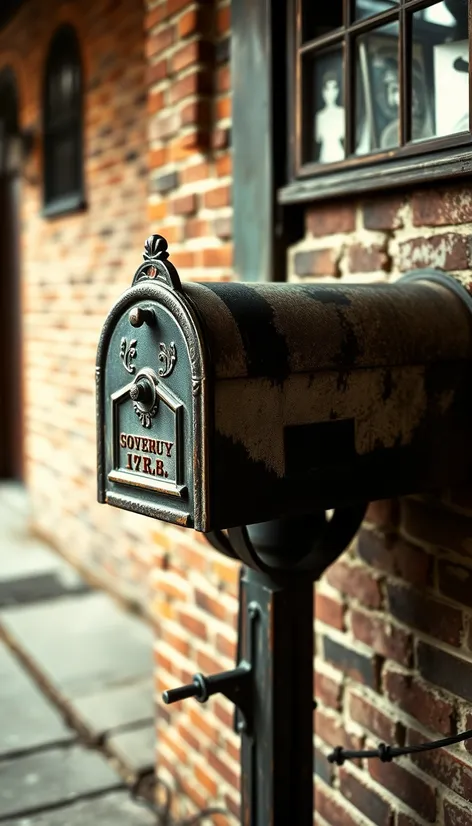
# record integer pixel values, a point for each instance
(63, 164)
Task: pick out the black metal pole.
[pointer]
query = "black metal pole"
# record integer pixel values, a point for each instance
(277, 751)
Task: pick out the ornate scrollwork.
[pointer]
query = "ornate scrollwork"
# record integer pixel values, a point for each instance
(128, 352)
(156, 267)
(145, 416)
(168, 356)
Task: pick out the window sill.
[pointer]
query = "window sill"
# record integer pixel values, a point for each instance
(399, 172)
(64, 206)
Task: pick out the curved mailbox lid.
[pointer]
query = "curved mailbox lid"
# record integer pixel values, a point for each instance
(151, 402)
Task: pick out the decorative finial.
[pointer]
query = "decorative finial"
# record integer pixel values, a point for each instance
(156, 267)
(155, 248)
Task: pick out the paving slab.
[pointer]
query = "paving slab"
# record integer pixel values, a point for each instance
(128, 705)
(52, 777)
(40, 586)
(82, 644)
(135, 748)
(27, 718)
(112, 810)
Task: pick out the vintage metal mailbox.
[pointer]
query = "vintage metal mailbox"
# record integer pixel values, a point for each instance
(223, 404)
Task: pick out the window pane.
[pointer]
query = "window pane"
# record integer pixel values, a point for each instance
(377, 90)
(440, 70)
(323, 108)
(366, 8)
(320, 18)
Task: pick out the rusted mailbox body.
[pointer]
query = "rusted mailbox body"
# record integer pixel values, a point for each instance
(225, 404)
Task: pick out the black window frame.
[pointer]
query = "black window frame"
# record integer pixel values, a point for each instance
(430, 160)
(64, 49)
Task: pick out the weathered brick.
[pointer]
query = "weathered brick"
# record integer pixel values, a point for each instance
(223, 19)
(329, 218)
(395, 556)
(332, 730)
(443, 669)
(412, 790)
(223, 228)
(158, 42)
(367, 259)
(221, 138)
(367, 715)
(330, 808)
(355, 581)
(436, 525)
(365, 798)
(443, 252)
(456, 815)
(196, 112)
(443, 766)
(440, 207)
(315, 262)
(455, 581)
(429, 615)
(381, 634)
(329, 610)
(359, 666)
(383, 213)
(223, 769)
(198, 82)
(196, 20)
(327, 690)
(421, 702)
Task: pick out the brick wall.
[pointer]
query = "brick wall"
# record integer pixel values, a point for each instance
(393, 629)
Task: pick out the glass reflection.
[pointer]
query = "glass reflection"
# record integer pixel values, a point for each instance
(367, 8)
(440, 70)
(377, 90)
(325, 126)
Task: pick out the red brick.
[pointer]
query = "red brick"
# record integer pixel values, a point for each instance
(331, 729)
(416, 793)
(329, 218)
(155, 16)
(184, 205)
(205, 780)
(367, 715)
(427, 706)
(383, 213)
(361, 667)
(443, 766)
(383, 636)
(165, 125)
(222, 768)
(157, 43)
(440, 207)
(443, 252)
(217, 256)
(223, 79)
(218, 197)
(456, 815)
(223, 108)
(223, 228)
(196, 228)
(330, 808)
(436, 525)
(327, 691)
(226, 646)
(223, 19)
(316, 262)
(174, 6)
(194, 83)
(221, 138)
(395, 556)
(355, 581)
(157, 71)
(367, 259)
(155, 102)
(195, 172)
(439, 620)
(196, 112)
(195, 21)
(365, 798)
(186, 145)
(196, 52)
(210, 604)
(224, 165)
(156, 212)
(329, 611)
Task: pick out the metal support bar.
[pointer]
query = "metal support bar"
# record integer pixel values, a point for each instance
(277, 753)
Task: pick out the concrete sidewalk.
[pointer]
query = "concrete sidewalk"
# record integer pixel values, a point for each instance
(76, 698)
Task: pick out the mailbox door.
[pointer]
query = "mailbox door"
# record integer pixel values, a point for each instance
(151, 408)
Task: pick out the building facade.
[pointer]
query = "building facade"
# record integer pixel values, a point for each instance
(151, 89)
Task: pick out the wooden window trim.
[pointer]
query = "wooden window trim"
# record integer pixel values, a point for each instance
(418, 162)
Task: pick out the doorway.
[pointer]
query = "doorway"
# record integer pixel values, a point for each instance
(11, 416)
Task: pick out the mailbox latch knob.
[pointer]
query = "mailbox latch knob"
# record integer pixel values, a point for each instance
(142, 315)
(142, 391)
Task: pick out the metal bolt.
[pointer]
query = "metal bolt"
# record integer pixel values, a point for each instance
(141, 315)
(253, 610)
(242, 726)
